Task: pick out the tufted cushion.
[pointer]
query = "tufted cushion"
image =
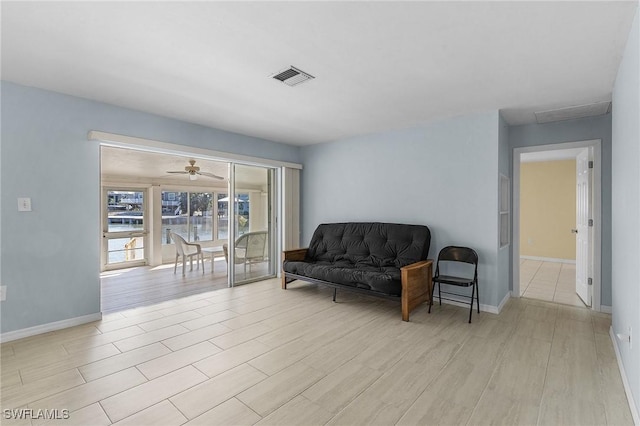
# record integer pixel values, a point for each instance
(374, 244)
(363, 255)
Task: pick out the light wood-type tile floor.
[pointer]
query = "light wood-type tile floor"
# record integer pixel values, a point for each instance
(257, 354)
(550, 281)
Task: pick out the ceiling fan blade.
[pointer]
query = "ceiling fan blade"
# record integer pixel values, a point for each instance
(180, 173)
(211, 175)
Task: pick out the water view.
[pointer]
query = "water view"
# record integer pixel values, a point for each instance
(191, 215)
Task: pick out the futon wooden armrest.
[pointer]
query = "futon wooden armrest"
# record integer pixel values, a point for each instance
(416, 285)
(296, 254)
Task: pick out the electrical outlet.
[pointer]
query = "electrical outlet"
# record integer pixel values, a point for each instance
(3, 293)
(24, 204)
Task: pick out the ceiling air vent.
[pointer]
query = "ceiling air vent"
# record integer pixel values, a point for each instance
(292, 76)
(570, 113)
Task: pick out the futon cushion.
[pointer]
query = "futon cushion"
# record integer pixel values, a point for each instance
(363, 255)
(384, 280)
(371, 243)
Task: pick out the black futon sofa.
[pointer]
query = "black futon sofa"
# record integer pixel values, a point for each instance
(380, 259)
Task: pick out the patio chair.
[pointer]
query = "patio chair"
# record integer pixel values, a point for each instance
(250, 249)
(185, 250)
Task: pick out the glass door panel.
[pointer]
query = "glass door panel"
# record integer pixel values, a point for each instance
(253, 224)
(223, 217)
(125, 249)
(124, 229)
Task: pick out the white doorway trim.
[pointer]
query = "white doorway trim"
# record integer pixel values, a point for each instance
(596, 144)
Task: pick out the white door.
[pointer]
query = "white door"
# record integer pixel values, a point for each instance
(124, 229)
(583, 235)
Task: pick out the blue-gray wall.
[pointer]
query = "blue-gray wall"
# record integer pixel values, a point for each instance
(626, 208)
(443, 174)
(50, 256)
(572, 131)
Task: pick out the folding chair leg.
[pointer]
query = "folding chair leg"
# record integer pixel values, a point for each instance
(478, 297)
(334, 293)
(433, 287)
(184, 263)
(175, 264)
(473, 292)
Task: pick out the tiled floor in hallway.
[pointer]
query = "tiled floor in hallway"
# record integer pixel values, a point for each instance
(550, 281)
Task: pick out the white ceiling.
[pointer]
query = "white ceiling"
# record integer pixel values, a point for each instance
(378, 65)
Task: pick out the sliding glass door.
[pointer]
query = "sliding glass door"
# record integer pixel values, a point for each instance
(252, 224)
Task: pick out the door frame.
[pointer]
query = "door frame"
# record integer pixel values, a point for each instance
(596, 145)
(143, 144)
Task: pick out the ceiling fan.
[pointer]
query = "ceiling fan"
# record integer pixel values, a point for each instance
(194, 171)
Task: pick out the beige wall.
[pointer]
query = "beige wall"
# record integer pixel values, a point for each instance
(548, 209)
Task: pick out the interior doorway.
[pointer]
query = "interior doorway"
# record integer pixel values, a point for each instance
(556, 224)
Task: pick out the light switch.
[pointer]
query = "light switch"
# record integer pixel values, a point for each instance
(24, 204)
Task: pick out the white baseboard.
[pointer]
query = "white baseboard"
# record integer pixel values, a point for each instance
(45, 328)
(549, 259)
(606, 309)
(625, 381)
(505, 299)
